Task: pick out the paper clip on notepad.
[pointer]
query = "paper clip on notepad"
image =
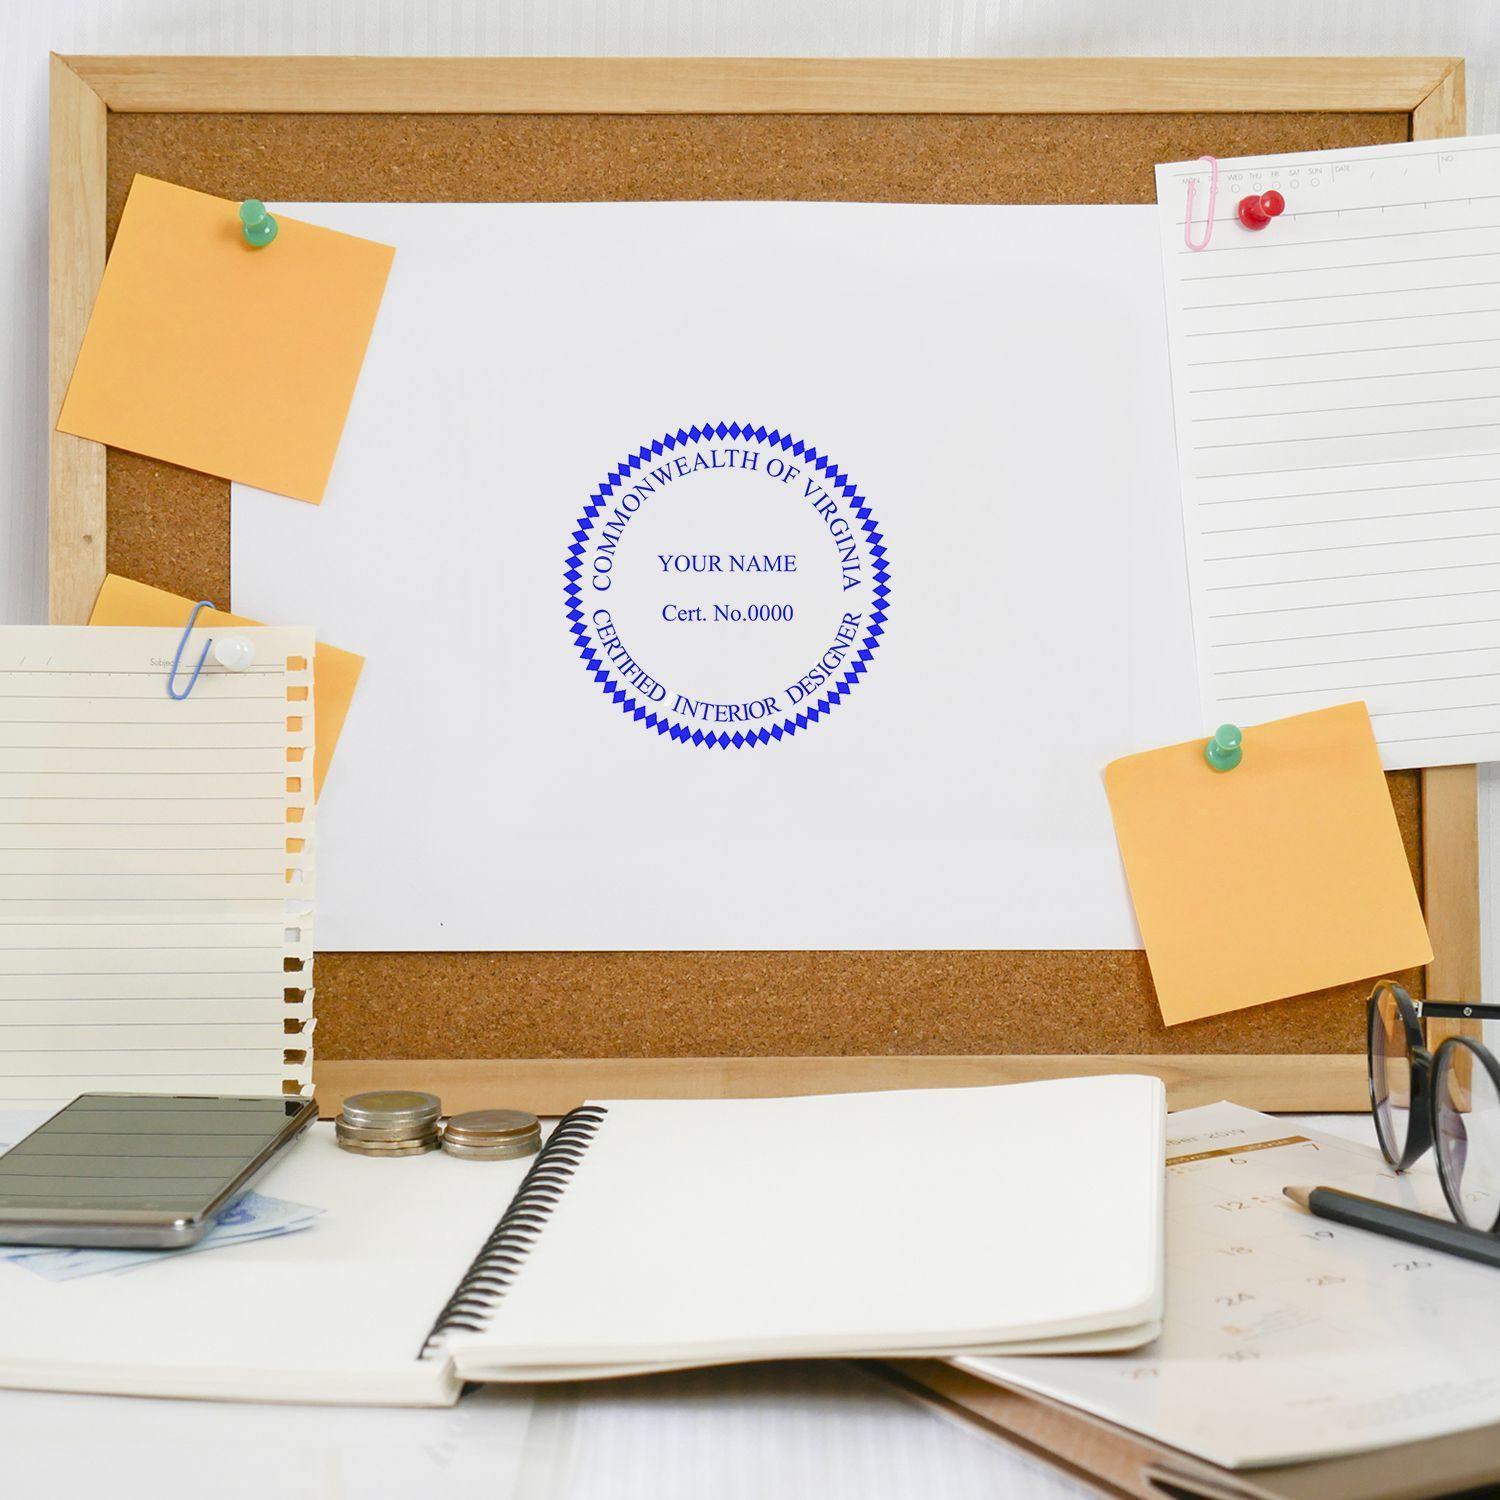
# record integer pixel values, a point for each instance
(1213, 198)
(1254, 211)
(234, 653)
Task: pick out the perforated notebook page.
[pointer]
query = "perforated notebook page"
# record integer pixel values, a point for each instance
(1336, 380)
(156, 865)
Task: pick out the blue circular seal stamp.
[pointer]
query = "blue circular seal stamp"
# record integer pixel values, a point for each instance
(726, 585)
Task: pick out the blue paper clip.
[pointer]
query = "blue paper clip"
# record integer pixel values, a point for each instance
(172, 692)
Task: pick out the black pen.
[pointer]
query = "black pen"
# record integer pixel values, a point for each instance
(1398, 1223)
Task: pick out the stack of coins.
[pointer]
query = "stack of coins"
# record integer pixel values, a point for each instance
(492, 1134)
(389, 1122)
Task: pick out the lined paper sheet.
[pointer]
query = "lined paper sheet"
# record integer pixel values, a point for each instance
(1337, 388)
(156, 866)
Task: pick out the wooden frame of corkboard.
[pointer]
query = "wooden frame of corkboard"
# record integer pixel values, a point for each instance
(547, 1029)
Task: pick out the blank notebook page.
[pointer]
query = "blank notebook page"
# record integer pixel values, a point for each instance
(746, 1228)
(1336, 378)
(155, 866)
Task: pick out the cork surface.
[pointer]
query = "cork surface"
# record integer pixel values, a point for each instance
(170, 527)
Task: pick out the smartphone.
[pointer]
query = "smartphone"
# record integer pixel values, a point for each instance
(134, 1170)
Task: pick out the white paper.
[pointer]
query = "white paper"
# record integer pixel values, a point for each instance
(149, 902)
(1337, 382)
(994, 382)
(1288, 1337)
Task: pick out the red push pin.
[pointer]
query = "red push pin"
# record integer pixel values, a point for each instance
(1259, 209)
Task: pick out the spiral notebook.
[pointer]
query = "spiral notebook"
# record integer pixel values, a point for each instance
(650, 1235)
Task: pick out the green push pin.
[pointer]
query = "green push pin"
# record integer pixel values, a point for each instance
(1223, 751)
(260, 228)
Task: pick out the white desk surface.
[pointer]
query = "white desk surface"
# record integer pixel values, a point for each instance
(798, 1432)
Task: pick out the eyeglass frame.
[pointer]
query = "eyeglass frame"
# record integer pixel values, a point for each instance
(1421, 1127)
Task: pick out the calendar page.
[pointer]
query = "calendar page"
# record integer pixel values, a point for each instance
(1286, 1337)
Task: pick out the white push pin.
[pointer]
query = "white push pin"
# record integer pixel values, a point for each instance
(234, 652)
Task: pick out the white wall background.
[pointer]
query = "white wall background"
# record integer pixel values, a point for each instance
(29, 29)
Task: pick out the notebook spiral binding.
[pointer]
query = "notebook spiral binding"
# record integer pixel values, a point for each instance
(492, 1271)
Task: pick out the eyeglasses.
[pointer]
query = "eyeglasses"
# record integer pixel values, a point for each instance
(1449, 1098)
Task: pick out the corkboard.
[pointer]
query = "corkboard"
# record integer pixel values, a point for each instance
(170, 527)
(929, 143)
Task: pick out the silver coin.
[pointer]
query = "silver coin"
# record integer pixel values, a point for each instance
(392, 1107)
(390, 1137)
(383, 1132)
(344, 1139)
(520, 1145)
(505, 1151)
(369, 1148)
(427, 1133)
(491, 1127)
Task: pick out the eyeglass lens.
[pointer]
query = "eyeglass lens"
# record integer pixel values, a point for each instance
(1468, 1136)
(1390, 1075)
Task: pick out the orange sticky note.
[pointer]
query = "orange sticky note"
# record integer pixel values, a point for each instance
(208, 353)
(122, 601)
(1282, 876)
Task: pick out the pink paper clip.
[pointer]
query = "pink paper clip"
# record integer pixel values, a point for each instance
(1213, 198)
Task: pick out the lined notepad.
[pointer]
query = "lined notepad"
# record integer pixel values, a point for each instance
(156, 866)
(1337, 387)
